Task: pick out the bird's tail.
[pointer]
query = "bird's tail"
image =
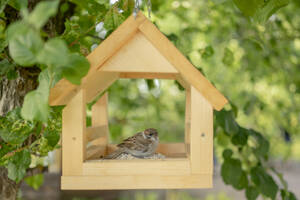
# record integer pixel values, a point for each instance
(114, 154)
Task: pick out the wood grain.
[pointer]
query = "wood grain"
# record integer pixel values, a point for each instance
(73, 137)
(136, 182)
(201, 134)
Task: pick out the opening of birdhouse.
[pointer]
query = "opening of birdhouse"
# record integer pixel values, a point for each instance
(153, 110)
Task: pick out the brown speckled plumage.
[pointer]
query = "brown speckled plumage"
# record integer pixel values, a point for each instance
(142, 144)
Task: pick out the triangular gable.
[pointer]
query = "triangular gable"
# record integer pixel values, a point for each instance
(113, 47)
(138, 55)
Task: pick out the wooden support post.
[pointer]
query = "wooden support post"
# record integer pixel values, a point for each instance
(201, 134)
(73, 135)
(187, 134)
(100, 118)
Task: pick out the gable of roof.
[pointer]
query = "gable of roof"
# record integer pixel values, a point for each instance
(63, 91)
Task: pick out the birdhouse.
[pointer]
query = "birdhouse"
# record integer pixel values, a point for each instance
(137, 49)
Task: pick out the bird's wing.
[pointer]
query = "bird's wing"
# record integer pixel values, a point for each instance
(132, 143)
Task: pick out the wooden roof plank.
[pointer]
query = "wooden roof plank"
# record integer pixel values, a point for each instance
(60, 93)
(185, 68)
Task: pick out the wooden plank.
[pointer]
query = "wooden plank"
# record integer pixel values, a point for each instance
(93, 133)
(185, 68)
(187, 134)
(182, 82)
(136, 182)
(95, 151)
(201, 134)
(134, 75)
(138, 55)
(73, 137)
(100, 112)
(100, 117)
(137, 167)
(98, 83)
(63, 91)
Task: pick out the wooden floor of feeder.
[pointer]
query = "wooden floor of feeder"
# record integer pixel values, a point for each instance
(173, 171)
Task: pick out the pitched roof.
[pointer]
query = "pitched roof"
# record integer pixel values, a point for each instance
(63, 91)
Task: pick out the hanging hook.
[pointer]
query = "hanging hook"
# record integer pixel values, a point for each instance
(137, 8)
(149, 7)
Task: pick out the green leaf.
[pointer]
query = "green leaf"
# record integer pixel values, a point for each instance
(5, 67)
(113, 19)
(17, 137)
(227, 153)
(42, 12)
(207, 52)
(260, 10)
(262, 145)
(249, 7)
(287, 195)
(264, 182)
(93, 7)
(233, 174)
(3, 4)
(35, 181)
(3, 44)
(55, 53)
(18, 164)
(251, 193)
(241, 137)
(16, 29)
(18, 4)
(270, 7)
(24, 47)
(52, 137)
(228, 57)
(77, 68)
(35, 106)
(12, 74)
(227, 122)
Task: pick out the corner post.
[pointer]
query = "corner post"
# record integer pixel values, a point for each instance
(201, 134)
(73, 135)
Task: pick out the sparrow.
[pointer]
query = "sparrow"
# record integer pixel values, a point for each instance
(142, 144)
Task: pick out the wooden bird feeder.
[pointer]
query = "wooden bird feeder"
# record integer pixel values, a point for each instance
(137, 49)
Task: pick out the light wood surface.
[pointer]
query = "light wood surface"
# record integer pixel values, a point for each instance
(136, 182)
(138, 55)
(100, 117)
(73, 137)
(98, 83)
(182, 82)
(201, 134)
(95, 151)
(95, 132)
(187, 127)
(168, 166)
(134, 75)
(185, 68)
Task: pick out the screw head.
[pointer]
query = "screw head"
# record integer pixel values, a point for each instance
(202, 134)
